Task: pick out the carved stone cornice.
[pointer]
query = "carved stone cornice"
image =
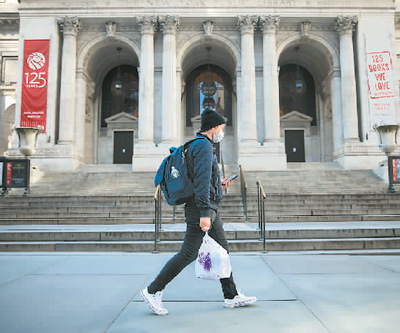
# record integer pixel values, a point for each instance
(10, 24)
(7, 91)
(69, 25)
(247, 24)
(169, 23)
(148, 24)
(270, 23)
(346, 24)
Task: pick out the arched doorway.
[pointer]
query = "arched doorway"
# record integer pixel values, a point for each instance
(120, 110)
(305, 68)
(111, 97)
(296, 98)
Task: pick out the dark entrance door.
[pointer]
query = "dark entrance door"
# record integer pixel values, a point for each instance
(294, 145)
(123, 147)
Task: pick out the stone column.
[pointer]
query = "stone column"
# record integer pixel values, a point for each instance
(146, 80)
(337, 120)
(80, 120)
(269, 25)
(247, 109)
(69, 26)
(345, 26)
(169, 25)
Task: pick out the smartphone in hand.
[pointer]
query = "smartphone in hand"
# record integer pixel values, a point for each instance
(234, 176)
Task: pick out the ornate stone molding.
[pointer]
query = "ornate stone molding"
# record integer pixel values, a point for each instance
(69, 25)
(169, 23)
(111, 29)
(208, 27)
(11, 24)
(247, 24)
(7, 92)
(346, 24)
(148, 24)
(269, 24)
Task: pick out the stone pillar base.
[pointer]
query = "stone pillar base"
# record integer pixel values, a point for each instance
(147, 157)
(52, 158)
(270, 156)
(359, 155)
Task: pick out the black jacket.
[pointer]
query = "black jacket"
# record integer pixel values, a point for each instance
(206, 175)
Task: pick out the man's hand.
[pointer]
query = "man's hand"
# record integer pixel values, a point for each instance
(227, 184)
(205, 223)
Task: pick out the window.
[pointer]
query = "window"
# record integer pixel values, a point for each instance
(9, 70)
(297, 91)
(120, 92)
(208, 86)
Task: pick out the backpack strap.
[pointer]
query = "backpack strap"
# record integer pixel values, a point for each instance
(189, 164)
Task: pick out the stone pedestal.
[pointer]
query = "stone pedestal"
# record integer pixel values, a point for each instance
(147, 157)
(269, 156)
(359, 155)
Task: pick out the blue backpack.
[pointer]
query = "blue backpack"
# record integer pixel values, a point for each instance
(175, 177)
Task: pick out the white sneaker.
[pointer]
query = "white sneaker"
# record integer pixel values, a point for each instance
(154, 302)
(239, 300)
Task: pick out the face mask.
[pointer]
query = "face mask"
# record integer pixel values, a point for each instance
(218, 137)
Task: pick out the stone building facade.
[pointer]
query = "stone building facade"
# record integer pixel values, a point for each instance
(297, 80)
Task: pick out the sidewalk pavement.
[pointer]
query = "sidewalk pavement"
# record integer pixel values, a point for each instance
(99, 292)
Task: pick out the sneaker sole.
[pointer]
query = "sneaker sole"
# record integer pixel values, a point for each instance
(241, 304)
(151, 306)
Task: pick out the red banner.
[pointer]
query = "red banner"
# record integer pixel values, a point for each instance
(34, 83)
(8, 173)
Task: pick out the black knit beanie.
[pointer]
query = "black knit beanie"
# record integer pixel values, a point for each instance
(210, 119)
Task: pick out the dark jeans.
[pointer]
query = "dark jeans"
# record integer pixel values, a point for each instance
(189, 251)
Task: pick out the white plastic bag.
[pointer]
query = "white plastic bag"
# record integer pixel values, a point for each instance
(212, 261)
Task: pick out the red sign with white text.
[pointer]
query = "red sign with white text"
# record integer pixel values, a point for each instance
(34, 83)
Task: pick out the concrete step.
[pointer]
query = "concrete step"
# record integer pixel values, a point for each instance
(326, 218)
(241, 237)
(235, 245)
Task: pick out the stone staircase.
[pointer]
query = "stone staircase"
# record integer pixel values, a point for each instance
(109, 208)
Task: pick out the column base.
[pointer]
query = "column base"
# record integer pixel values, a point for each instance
(52, 158)
(359, 155)
(148, 157)
(269, 156)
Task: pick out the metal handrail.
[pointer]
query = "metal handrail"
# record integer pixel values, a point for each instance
(243, 190)
(157, 216)
(261, 212)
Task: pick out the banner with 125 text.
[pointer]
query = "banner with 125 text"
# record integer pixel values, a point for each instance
(34, 83)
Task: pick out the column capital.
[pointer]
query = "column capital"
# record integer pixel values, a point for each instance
(346, 24)
(270, 23)
(247, 24)
(148, 24)
(69, 25)
(169, 23)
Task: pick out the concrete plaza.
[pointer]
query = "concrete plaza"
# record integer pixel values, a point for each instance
(99, 292)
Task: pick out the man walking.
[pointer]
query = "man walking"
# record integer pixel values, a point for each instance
(201, 213)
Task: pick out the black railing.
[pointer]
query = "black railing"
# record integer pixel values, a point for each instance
(261, 212)
(157, 216)
(243, 191)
